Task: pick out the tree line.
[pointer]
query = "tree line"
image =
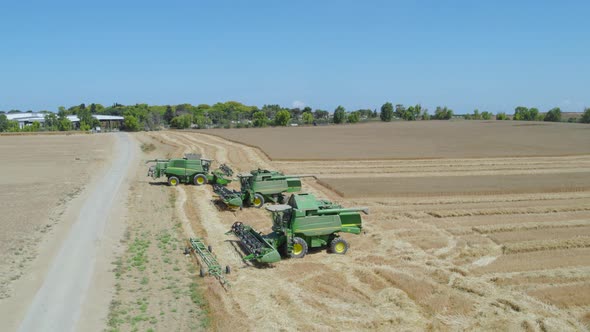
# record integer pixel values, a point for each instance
(234, 114)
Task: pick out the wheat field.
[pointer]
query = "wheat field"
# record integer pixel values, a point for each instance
(491, 243)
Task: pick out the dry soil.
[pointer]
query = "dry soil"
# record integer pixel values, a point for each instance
(440, 259)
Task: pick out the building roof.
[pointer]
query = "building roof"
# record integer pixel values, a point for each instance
(101, 117)
(19, 116)
(40, 117)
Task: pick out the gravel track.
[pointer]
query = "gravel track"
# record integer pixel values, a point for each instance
(57, 304)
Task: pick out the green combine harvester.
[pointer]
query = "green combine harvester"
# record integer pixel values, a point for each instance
(304, 223)
(259, 187)
(190, 169)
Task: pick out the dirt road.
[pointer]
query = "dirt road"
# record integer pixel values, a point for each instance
(58, 304)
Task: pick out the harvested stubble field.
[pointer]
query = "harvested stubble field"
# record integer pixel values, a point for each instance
(40, 175)
(444, 259)
(418, 139)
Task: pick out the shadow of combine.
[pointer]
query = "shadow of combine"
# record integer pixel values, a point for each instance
(152, 183)
(220, 206)
(240, 249)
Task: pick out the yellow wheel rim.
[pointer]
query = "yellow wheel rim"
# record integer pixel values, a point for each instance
(173, 182)
(297, 248)
(339, 247)
(200, 180)
(257, 201)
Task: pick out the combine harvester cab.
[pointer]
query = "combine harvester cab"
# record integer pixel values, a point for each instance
(302, 224)
(261, 186)
(190, 169)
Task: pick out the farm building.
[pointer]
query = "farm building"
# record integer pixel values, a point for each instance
(107, 122)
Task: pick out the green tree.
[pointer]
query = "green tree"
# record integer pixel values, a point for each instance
(201, 121)
(425, 115)
(130, 123)
(417, 111)
(35, 126)
(169, 114)
(521, 113)
(51, 121)
(476, 115)
(271, 110)
(443, 113)
(409, 114)
(182, 122)
(586, 116)
(339, 115)
(153, 120)
(307, 118)
(259, 119)
(295, 113)
(354, 117)
(501, 116)
(86, 119)
(364, 113)
(386, 112)
(485, 115)
(13, 126)
(282, 118)
(534, 114)
(64, 124)
(400, 111)
(3, 123)
(321, 114)
(554, 115)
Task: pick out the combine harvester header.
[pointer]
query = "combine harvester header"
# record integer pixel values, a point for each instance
(304, 223)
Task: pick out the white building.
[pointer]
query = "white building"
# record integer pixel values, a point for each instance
(107, 121)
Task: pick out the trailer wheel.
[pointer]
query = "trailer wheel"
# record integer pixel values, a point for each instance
(258, 201)
(173, 181)
(338, 246)
(227, 269)
(200, 180)
(202, 273)
(210, 249)
(299, 248)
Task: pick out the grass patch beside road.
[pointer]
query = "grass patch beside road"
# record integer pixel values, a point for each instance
(157, 287)
(148, 147)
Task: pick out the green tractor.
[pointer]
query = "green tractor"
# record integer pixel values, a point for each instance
(259, 187)
(190, 169)
(304, 223)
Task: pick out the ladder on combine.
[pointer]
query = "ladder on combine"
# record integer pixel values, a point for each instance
(207, 259)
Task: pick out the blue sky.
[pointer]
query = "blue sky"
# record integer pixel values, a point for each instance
(490, 55)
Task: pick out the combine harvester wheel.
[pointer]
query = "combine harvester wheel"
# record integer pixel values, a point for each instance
(258, 201)
(200, 179)
(173, 181)
(299, 248)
